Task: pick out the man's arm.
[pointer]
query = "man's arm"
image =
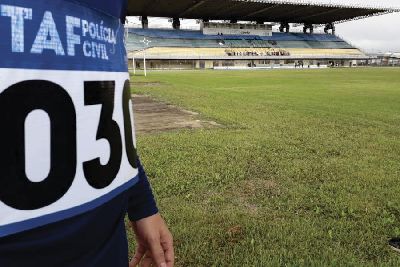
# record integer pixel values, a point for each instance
(141, 203)
(154, 240)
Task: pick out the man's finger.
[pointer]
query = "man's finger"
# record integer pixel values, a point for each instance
(157, 252)
(169, 251)
(139, 253)
(147, 261)
(169, 256)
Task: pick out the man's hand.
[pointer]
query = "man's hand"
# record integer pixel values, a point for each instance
(154, 243)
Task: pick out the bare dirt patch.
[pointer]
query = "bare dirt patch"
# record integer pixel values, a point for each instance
(146, 84)
(248, 192)
(155, 116)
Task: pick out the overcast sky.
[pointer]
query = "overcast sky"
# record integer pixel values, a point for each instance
(373, 34)
(376, 34)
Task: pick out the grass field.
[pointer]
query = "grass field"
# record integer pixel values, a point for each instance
(305, 171)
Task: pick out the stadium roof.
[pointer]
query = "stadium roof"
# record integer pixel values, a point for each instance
(299, 11)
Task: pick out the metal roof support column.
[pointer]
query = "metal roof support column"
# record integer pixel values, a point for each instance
(145, 22)
(285, 27)
(308, 26)
(330, 26)
(176, 23)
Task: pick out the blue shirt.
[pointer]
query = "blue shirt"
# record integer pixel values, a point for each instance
(97, 236)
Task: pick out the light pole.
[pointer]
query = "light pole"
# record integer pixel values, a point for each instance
(146, 43)
(133, 64)
(133, 53)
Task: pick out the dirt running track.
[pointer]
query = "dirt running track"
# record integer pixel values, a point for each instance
(154, 116)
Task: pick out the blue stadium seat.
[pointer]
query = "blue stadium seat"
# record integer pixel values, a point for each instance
(278, 36)
(196, 39)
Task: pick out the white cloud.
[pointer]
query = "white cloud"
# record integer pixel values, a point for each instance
(372, 34)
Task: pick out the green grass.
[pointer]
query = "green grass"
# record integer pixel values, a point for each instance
(306, 171)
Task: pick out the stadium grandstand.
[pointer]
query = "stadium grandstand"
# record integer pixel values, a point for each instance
(239, 34)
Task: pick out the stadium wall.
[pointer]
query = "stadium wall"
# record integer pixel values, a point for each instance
(175, 64)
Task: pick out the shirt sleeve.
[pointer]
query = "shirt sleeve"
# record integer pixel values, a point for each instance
(141, 200)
